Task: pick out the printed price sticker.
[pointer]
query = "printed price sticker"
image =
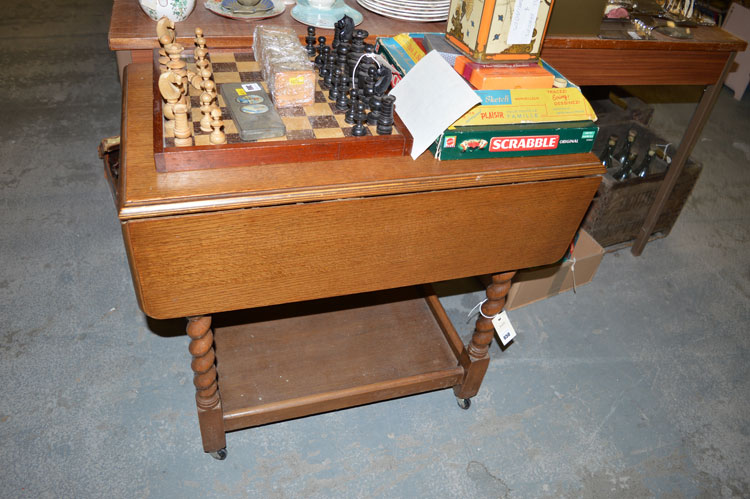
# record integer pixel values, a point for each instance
(240, 91)
(250, 87)
(523, 22)
(504, 328)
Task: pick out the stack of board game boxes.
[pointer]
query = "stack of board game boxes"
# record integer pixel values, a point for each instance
(527, 107)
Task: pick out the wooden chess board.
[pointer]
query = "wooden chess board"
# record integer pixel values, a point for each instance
(316, 132)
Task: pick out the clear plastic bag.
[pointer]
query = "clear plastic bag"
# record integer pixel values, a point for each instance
(285, 66)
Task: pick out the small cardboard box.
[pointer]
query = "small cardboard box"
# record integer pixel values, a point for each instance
(538, 283)
(495, 30)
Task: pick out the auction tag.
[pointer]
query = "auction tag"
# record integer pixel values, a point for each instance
(523, 22)
(503, 327)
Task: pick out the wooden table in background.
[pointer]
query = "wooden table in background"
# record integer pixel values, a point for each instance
(288, 237)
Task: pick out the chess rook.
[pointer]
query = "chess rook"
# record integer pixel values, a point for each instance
(385, 121)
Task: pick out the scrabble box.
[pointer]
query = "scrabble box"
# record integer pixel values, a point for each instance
(505, 141)
(495, 30)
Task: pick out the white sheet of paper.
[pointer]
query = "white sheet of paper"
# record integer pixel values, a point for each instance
(430, 98)
(523, 21)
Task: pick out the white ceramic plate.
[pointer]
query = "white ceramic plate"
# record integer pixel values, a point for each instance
(401, 13)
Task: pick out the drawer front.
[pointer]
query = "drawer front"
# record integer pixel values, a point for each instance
(213, 262)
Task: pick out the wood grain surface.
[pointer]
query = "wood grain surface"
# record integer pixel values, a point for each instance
(289, 361)
(131, 29)
(147, 193)
(637, 66)
(229, 260)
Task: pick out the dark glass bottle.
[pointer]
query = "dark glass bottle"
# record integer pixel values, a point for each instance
(643, 168)
(607, 155)
(625, 169)
(623, 156)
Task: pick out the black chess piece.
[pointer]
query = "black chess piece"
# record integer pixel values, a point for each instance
(342, 102)
(358, 39)
(383, 80)
(320, 59)
(347, 29)
(385, 121)
(341, 54)
(359, 129)
(374, 114)
(335, 85)
(370, 84)
(310, 39)
(349, 115)
(336, 34)
(328, 71)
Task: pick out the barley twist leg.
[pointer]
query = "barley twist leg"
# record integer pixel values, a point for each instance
(207, 398)
(475, 357)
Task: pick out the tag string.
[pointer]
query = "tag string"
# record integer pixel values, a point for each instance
(479, 306)
(354, 71)
(573, 271)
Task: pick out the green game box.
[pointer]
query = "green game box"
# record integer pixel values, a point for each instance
(506, 141)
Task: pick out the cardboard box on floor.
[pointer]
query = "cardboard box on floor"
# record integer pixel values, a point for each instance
(538, 283)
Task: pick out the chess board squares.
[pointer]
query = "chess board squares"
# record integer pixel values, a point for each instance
(296, 123)
(222, 57)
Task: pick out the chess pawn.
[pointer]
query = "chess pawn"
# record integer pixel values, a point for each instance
(310, 39)
(335, 85)
(217, 137)
(342, 54)
(183, 136)
(206, 99)
(319, 60)
(199, 40)
(358, 129)
(176, 64)
(349, 115)
(200, 58)
(210, 88)
(342, 103)
(329, 73)
(324, 68)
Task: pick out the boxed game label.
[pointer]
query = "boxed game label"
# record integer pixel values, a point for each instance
(536, 105)
(502, 107)
(504, 141)
(550, 105)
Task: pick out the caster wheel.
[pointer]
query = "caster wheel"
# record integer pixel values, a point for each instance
(463, 403)
(220, 454)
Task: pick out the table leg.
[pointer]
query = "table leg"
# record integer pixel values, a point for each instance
(476, 358)
(689, 139)
(207, 399)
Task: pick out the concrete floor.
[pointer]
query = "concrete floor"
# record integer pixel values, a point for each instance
(636, 386)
